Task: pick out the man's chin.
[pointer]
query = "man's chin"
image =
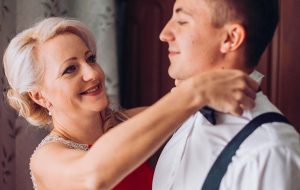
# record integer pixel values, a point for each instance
(177, 82)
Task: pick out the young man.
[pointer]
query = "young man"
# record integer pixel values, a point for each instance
(205, 35)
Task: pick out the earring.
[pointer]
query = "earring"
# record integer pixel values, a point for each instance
(49, 113)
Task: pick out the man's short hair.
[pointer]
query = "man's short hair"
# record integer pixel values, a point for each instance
(259, 18)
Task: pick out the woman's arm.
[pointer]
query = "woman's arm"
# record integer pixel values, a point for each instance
(123, 148)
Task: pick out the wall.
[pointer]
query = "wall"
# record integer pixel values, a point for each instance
(145, 61)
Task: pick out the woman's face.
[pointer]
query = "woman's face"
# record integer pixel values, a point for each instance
(73, 83)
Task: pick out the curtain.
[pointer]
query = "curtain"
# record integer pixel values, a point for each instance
(17, 139)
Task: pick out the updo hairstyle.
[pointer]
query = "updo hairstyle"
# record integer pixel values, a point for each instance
(23, 71)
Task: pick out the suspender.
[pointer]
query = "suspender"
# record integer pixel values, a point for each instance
(219, 168)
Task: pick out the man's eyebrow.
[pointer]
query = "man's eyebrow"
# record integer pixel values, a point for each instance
(181, 10)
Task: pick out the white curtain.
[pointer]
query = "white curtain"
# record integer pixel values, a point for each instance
(17, 139)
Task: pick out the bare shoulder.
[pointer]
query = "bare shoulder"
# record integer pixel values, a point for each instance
(47, 152)
(52, 159)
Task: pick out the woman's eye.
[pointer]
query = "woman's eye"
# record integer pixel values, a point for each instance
(91, 59)
(69, 69)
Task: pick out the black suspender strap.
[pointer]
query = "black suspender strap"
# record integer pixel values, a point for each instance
(219, 168)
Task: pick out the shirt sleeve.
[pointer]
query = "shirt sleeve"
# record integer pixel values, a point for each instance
(274, 167)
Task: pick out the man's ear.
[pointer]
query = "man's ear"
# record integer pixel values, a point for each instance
(38, 98)
(233, 38)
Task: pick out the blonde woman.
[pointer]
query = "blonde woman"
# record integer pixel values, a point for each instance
(55, 80)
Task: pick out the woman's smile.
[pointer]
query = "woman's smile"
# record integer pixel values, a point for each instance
(93, 91)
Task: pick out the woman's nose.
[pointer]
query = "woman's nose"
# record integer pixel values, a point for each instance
(90, 73)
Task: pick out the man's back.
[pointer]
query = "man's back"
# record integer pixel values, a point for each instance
(268, 159)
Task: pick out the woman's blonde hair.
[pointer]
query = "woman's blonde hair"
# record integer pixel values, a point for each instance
(23, 71)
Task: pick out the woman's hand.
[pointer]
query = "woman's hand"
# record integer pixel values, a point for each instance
(229, 91)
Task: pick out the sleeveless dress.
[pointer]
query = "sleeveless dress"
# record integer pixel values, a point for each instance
(140, 179)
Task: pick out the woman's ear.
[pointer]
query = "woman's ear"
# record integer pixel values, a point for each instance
(38, 98)
(234, 37)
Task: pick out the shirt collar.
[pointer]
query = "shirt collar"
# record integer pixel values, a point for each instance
(257, 76)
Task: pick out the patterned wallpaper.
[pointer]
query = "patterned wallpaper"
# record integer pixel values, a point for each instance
(8, 131)
(17, 138)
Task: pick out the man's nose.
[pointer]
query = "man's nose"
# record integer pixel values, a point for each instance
(166, 34)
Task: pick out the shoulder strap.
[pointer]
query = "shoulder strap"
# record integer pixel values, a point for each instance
(219, 168)
(55, 138)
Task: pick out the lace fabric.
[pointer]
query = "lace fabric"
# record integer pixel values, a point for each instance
(55, 138)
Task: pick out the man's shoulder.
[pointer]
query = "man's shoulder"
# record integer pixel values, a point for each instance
(262, 105)
(272, 136)
(276, 131)
(269, 135)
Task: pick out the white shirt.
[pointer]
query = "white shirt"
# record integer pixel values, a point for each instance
(268, 159)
